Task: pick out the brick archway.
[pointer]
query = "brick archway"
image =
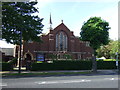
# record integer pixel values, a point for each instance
(28, 57)
(25, 55)
(28, 61)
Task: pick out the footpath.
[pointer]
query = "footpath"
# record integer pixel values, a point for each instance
(98, 71)
(58, 73)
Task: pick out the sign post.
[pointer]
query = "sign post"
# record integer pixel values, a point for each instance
(117, 60)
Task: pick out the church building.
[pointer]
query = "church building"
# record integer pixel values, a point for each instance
(59, 43)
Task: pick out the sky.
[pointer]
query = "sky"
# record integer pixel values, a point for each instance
(75, 12)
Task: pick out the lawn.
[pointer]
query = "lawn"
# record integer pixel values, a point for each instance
(44, 73)
(106, 60)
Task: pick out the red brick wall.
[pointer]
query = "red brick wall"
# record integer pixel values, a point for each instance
(74, 44)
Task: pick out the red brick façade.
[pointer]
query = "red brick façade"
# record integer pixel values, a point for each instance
(72, 46)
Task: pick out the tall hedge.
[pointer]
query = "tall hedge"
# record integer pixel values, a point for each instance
(63, 65)
(72, 65)
(106, 65)
(6, 66)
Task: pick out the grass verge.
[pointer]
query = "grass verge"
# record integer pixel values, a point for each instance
(44, 73)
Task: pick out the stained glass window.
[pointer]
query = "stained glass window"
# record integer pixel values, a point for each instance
(61, 41)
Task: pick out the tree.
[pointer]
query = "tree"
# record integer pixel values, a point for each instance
(19, 23)
(109, 51)
(103, 51)
(114, 46)
(18, 17)
(95, 30)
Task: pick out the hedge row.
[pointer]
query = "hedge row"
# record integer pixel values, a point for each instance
(106, 65)
(73, 65)
(6, 66)
(62, 65)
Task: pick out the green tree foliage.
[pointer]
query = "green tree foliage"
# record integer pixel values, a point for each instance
(17, 17)
(95, 30)
(103, 51)
(109, 51)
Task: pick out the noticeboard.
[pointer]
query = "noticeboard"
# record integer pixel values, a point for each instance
(40, 57)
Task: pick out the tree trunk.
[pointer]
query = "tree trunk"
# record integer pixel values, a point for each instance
(19, 71)
(94, 63)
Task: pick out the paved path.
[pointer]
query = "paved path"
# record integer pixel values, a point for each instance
(114, 71)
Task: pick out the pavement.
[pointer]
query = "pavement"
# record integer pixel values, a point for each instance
(99, 72)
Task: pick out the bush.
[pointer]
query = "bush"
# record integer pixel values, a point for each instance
(72, 65)
(6, 66)
(13, 62)
(62, 65)
(106, 65)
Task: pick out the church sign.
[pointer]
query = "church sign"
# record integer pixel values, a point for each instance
(40, 57)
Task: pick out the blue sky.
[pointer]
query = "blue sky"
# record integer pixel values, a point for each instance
(75, 12)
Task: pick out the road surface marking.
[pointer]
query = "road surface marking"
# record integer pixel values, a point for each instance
(111, 78)
(3, 84)
(62, 81)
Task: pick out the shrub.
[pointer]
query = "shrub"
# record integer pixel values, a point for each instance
(6, 66)
(13, 61)
(63, 65)
(72, 65)
(67, 56)
(106, 65)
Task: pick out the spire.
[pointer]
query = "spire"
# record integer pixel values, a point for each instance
(50, 22)
(50, 19)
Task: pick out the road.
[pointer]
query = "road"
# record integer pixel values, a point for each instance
(78, 81)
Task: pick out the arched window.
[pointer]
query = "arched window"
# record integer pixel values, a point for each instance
(57, 38)
(65, 42)
(61, 41)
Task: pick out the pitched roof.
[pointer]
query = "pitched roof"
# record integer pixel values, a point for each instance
(61, 26)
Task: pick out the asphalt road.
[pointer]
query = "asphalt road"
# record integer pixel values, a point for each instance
(79, 81)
